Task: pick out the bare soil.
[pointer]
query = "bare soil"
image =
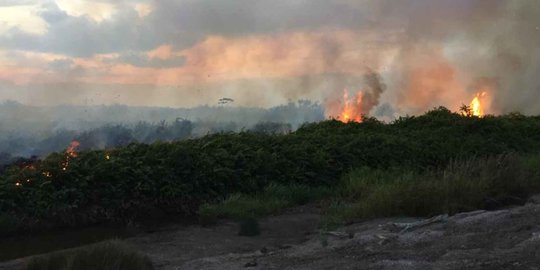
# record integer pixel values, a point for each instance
(502, 239)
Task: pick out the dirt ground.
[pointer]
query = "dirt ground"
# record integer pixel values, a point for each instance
(502, 239)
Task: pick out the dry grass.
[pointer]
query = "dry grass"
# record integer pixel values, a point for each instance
(477, 183)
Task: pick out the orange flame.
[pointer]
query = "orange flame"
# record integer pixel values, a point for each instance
(476, 105)
(71, 152)
(72, 149)
(352, 108)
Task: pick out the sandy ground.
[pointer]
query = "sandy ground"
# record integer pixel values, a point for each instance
(503, 239)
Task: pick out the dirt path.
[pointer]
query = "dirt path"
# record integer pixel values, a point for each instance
(503, 239)
(173, 248)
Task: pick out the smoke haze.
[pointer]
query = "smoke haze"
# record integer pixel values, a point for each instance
(407, 56)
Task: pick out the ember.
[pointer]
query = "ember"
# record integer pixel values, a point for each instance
(71, 153)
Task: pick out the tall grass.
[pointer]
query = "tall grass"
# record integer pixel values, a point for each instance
(462, 185)
(110, 255)
(477, 183)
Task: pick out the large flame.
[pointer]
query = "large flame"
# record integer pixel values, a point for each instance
(352, 108)
(477, 108)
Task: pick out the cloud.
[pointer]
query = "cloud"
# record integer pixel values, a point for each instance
(143, 60)
(96, 10)
(61, 64)
(179, 23)
(12, 3)
(427, 52)
(81, 36)
(20, 17)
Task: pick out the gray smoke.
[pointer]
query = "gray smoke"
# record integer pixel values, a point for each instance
(375, 88)
(468, 43)
(427, 52)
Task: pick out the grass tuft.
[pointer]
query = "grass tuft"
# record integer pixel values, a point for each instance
(272, 200)
(55, 261)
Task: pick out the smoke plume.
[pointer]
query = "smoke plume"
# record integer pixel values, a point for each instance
(374, 89)
(264, 53)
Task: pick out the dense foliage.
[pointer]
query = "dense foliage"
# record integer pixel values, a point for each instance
(145, 181)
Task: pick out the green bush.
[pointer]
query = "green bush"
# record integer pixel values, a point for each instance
(142, 181)
(110, 255)
(273, 199)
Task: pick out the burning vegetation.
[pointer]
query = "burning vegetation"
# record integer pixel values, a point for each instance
(33, 165)
(476, 105)
(81, 188)
(70, 154)
(352, 107)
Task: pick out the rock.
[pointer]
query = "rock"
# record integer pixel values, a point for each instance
(338, 234)
(406, 227)
(251, 264)
(385, 239)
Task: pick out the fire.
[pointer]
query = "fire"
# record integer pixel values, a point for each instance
(476, 105)
(71, 152)
(72, 149)
(352, 108)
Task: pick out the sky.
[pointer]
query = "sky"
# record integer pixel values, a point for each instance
(425, 53)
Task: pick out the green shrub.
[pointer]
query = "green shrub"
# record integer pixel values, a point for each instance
(110, 255)
(238, 206)
(273, 199)
(175, 179)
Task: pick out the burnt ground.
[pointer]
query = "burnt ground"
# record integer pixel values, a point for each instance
(502, 239)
